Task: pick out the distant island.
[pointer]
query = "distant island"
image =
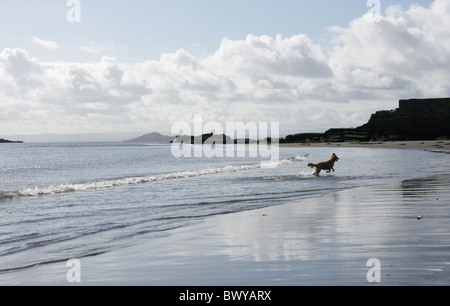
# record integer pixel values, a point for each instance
(210, 138)
(205, 138)
(151, 138)
(9, 141)
(415, 119)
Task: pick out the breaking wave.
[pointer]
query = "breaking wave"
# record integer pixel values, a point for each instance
(67, 188)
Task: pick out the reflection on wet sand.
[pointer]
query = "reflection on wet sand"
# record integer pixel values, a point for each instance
(328, 240)
(316, 241)
(427, 186)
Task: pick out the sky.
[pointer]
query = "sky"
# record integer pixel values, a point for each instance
(97, 66)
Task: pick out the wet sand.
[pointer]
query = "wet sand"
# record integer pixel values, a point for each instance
(317, 241)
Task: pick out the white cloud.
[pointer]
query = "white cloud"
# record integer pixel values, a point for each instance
(48, 44)
(405, 54)
(99, 48)
(365, 67)
(257, 56)
(19, 71)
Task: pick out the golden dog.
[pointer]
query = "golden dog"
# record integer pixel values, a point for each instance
(328, 165)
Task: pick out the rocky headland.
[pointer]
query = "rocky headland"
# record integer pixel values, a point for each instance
(9, 141)
(210, 138)
(415, 119)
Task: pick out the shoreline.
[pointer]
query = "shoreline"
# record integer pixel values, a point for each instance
(411, 144)
(325, 240)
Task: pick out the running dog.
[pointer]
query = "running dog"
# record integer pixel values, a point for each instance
(328, 165)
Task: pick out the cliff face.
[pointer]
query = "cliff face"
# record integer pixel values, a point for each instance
(421, 119)
(415, 119)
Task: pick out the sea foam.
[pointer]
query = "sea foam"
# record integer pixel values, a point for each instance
(67, 188)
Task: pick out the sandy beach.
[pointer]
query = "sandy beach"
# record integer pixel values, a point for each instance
(317, 241)
(415, 144)
(254, 144)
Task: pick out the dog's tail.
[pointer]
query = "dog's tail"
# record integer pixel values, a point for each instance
(311, 165)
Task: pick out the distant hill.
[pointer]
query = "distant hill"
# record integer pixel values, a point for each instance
(151, 138)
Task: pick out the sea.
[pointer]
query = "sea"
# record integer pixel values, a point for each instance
(72, 200)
